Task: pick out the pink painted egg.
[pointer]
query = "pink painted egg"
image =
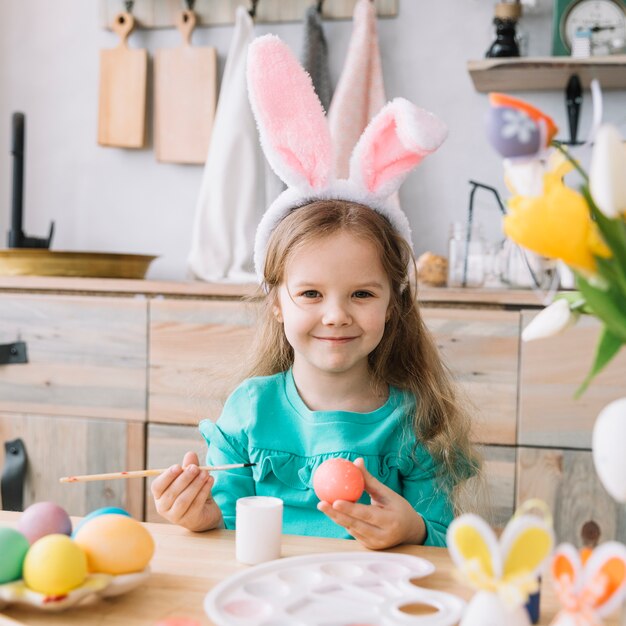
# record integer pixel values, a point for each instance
(338, 479)
(44, 518)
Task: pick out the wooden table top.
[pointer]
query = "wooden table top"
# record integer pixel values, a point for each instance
(187, 565)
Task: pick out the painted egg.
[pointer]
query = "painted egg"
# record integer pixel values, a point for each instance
(115, 544)
(13, 548)
(609, 435)
(54, 565)
(107, 510)
(44, 518)
(338, 479)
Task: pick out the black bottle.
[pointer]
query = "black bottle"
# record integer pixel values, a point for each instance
(505, 20)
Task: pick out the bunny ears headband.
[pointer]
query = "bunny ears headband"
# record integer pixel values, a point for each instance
(296, 140)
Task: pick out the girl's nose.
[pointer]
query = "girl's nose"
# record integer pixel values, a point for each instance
(336, 314)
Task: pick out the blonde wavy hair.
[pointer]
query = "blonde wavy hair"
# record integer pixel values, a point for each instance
(406, 356)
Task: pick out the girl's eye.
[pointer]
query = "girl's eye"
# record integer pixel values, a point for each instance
(310, 293)
(362, 294)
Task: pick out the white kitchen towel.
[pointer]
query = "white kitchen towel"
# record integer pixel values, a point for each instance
(360, 92)
(232, 196)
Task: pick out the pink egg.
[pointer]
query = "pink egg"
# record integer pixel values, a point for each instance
(44, 518)
(338, 479)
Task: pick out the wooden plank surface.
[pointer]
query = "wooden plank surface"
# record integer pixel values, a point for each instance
(162, 13)
(481, 349)
(436, 296)
(546, 73)
(122, 93)
(550, 372)
(185, 95)
(187, 565)
(499, 471)
(86, 356)
(59, 446)
(166, 445)
(197, 350)
(566, 480)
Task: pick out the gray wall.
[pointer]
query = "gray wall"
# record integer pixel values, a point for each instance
(106, 199)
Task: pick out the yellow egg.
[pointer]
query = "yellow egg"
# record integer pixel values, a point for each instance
(115, 544)
(54, 565)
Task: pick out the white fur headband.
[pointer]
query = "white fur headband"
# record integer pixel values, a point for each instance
(296, 140)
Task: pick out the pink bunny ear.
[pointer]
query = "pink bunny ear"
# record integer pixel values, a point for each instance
(293, 130)
(604, 577)
(394, 142)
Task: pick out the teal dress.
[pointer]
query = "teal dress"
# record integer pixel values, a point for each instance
(265, 422)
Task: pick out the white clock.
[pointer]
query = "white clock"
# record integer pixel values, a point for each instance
(606, 19)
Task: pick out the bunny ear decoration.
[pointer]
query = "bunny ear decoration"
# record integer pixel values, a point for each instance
(604, 577)
(393, 144)
(292, 126)
(474, 549)
(526, 543)
(566, 566)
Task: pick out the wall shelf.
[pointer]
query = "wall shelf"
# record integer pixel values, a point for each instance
(544, 73)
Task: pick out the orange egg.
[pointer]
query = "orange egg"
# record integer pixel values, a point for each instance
(338, 479)
(115, 544)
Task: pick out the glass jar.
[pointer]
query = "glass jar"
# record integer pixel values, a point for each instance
(465, 270)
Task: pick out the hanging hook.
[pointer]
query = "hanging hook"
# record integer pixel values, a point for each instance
(129, 5)
(320, 6)
(190, 4)
(252, 10)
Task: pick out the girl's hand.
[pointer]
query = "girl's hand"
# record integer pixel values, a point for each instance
(182, 495)
(388, 521)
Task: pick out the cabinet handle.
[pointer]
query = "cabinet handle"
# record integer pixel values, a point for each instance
(11, 353)
(13, 475)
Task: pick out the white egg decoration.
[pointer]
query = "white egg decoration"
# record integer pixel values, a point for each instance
(609, 448)
(487, 609)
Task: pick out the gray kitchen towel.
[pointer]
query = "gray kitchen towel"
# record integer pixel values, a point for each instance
(315, 55)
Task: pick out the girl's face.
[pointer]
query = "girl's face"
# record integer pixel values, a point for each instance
(333, 303)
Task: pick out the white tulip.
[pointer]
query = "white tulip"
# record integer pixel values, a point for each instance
(554, 319)
(607, 173)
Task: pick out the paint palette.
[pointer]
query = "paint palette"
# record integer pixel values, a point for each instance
(335, 589)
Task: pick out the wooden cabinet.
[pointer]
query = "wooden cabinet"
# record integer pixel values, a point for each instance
(86, 356)
(566, 480)
(61, 446)
(481, 348)
(167, 444)
(550, 372)
(108, 375)
(196, 354)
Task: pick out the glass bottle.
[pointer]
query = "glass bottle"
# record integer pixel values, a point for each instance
(465, 270)
(505, 20)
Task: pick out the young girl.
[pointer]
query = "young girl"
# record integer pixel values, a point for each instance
(345, 366)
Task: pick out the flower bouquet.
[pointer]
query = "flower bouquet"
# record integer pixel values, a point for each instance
(581, 224)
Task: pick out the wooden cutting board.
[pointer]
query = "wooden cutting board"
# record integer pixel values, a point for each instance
(185, 93)
(122, 101)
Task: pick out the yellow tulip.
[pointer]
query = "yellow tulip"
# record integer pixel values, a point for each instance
(556, 224)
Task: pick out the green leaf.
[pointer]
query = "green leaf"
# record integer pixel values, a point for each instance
(608, 346)
(607, 305)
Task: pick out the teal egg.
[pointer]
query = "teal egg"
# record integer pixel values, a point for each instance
(13, 548)
(107, 510)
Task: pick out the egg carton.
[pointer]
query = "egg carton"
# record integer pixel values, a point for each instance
(95, 586)
(335, 589)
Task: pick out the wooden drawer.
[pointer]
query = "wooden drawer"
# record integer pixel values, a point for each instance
(61, 446)
(551, 370)
(167, 445)
(481, 348)
(499, 472)
(566, 480)
(197, 350)
(86, 356)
